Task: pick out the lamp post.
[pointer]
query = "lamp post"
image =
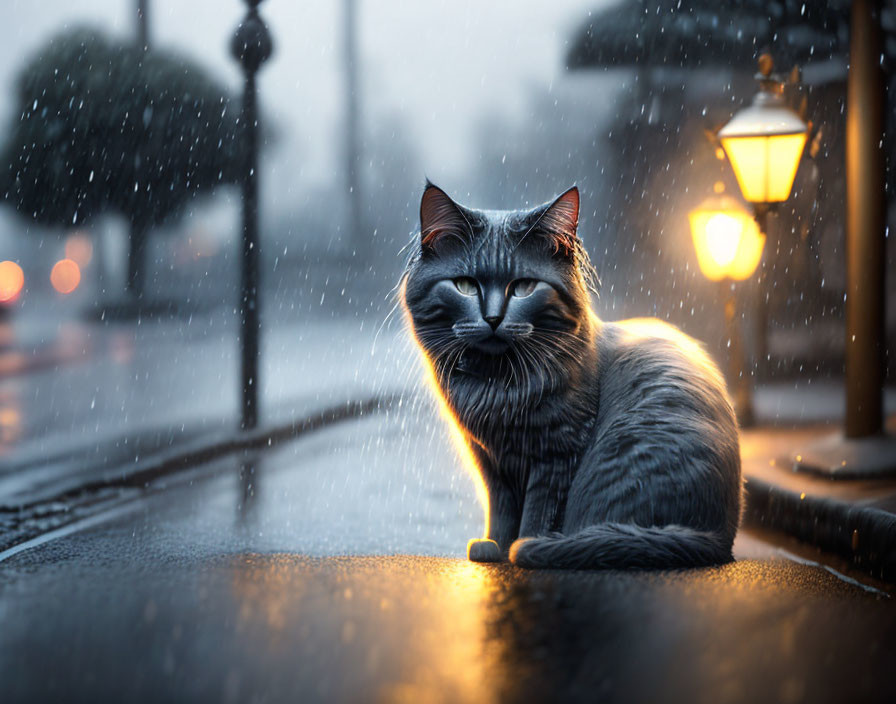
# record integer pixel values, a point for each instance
(764, 143)
(729, 245)
(251, 46)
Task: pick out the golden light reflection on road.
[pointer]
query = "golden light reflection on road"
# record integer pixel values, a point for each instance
(434, 648)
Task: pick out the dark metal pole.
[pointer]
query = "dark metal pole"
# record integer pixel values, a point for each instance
(252, 46)
(738, 383)
(865, 223)
(249, 324)
(764, 291)
(352, 139)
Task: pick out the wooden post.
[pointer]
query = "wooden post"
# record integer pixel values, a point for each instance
(865, 224)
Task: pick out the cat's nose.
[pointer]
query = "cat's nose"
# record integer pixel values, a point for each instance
(494, 320)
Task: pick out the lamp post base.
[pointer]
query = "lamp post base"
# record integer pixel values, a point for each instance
(840, 457)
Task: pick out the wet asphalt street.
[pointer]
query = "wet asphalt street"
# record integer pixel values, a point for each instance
(330, 569)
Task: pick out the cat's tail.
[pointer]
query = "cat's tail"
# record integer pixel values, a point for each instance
(623, 546)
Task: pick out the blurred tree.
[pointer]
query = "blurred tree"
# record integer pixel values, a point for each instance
(105, 126)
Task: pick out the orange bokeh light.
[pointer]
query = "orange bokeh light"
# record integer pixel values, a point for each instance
(12, 279)
(79, 249)
(65, 276)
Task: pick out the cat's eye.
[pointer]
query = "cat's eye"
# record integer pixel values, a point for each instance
(523, 287)
(466, 286)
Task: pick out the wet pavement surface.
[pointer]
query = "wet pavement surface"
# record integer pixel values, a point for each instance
(118, 393)
(331, 569)
(161, 626)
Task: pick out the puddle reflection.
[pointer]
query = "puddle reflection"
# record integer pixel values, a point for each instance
(348, 626)
(418, 629)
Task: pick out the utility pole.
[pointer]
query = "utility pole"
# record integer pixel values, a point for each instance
(251, 46)
(142, 24)
(352, 139)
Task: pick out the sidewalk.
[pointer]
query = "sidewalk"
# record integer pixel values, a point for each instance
(852, 518)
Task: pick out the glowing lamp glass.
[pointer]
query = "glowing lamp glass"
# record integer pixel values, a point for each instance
(12, 279)
(764, 143)
(727, 240)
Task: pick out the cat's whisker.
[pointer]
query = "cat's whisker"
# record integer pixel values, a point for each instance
(531, 368)
(513, 374)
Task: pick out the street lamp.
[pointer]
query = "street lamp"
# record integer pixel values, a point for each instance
(764, 143)
(729, 246)
(727, 239)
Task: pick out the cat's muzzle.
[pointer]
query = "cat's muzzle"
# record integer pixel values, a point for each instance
(493, 345)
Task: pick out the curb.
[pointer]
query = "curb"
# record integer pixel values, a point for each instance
(211, 448)
(863, 535)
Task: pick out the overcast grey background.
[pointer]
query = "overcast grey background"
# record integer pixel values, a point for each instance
(437, 67)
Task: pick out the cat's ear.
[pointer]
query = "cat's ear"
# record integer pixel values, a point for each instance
(440, 219)
(558, 222)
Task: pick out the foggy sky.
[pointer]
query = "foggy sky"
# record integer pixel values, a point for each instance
(435, 66)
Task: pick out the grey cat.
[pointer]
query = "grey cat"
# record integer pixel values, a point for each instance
(601, 445)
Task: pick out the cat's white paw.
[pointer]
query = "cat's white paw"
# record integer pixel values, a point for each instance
(483, 550)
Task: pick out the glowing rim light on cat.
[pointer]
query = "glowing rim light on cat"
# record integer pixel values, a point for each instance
(458, 437)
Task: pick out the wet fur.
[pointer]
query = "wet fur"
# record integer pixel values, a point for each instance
(602, 445)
